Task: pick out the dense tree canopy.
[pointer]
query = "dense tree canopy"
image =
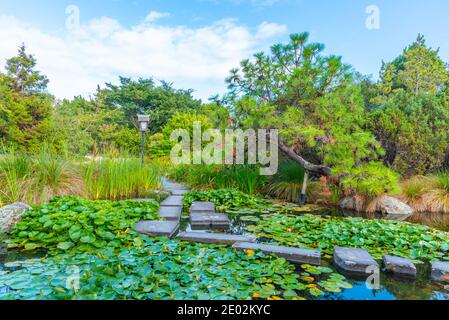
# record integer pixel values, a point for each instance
(25, 107)
(411, 110)
(332, 120)
(312, 99)
(144, 97)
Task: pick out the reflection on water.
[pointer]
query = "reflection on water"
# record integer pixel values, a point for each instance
(435, 220)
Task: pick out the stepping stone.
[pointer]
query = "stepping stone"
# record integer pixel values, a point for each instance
(170, 213)
(144, 200)
(172, 201)
(173, 186)
(399, 266)
(158, 228)
(214, 238)
(440, 271)
(209, 220)
(179, 192)
(354, 261)
(312, 257)
(202, 207)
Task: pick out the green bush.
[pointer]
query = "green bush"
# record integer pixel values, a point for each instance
(371, 180)
(82, 225)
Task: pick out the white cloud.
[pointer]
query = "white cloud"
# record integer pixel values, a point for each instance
(268, 30)
(153, 16)
(101, 50)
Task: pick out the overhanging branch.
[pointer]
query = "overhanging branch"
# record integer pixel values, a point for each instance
(318, 169)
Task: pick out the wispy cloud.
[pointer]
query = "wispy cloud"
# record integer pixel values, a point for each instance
(153, 16)
(102, 49)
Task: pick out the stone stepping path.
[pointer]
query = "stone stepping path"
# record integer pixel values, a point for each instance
(212, 221)
(202, 207)
(440, 271)
(179, 192)
(302, 256)
(170, 213)
(203, 216)
(399, 266)
(158, 228)
(214, 238)
(172, 201)
(354, 261)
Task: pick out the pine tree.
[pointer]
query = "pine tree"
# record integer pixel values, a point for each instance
(25, 107)
(24, 78)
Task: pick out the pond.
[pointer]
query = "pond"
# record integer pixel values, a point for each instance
(390, 287)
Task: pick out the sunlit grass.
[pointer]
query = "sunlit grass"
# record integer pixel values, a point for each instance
(120, 178)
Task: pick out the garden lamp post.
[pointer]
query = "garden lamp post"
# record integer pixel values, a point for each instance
(144, 121)
(303, 197)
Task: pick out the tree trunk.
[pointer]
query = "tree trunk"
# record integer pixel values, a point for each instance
(313, 168)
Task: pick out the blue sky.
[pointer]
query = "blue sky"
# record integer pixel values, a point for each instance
(193, 43)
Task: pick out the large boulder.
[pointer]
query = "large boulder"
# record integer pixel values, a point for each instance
(11, 214)
(390, 205)
(384, 205)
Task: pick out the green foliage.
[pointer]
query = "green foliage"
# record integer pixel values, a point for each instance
(287, 183)
(25, 108)
(81, 225)
(161, 143)
(418, 70)
(310, 98)
(223, 198)
(37, 178)
(167, 270)
(245, 178)
(379, 237)
(371, 180)
(120, 178)
(144, 97)
(412, 129)
(411, 111)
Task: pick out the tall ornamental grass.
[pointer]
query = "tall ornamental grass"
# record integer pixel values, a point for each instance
(37, 178)
(245, 178)
(120, 178)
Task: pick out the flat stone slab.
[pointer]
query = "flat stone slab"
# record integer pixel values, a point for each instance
(170, 213)
(179, 192)
(214, 238)
(172, 186)
(172, 201)
(209, 220)
(144, 200)
(440, 271)
(158, 228)
(399, 266)
(202, 207)
(296, 255)
(355, 261)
